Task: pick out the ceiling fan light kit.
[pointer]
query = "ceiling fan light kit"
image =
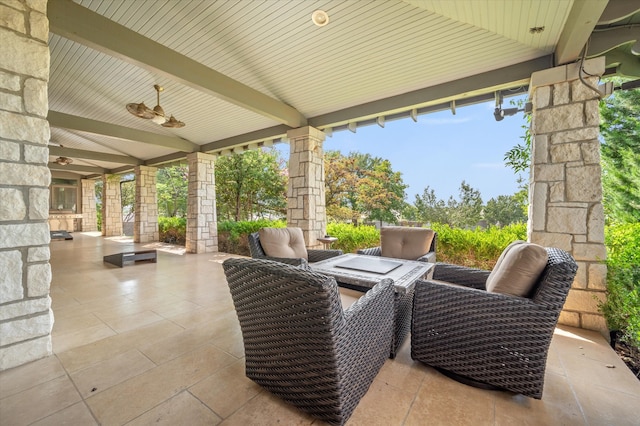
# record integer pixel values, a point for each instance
(156, 114)
(64, 161)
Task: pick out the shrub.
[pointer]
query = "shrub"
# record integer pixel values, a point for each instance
(173, 230)
(622, 307)
(475, 248)
(233, 236)
(351, 238)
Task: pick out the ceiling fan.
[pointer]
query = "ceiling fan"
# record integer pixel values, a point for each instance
(64, 161)
(156, 114)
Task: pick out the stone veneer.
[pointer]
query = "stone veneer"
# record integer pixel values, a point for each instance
(26, 318)
(305, 193)
(111, 206)
(89, 209)
(145, 228)
(565, 190)
(202, 224)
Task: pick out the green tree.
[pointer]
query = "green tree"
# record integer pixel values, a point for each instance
(359, 185)
(381, 192)
(621, 156)
(249, 185)
(466, 212)
(504, 210)
(430, 208)
(172, 186)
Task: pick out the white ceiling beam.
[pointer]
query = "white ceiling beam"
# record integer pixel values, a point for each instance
(603, 41)
(582, 19)
(94, 155)
(256, 136)
(72, 122)
(79, 24)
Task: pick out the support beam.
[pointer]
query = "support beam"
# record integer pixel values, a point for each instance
(246, 138)
(94, 155)
(76, 168)
(79, 24)
(617, 10)
(606, 40)
(582, 20)
(458, 89)
(66, 121)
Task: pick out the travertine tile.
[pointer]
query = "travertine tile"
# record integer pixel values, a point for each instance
(29, 375)
(103, 375)
(131, 398)
(605, 406)
(65, 341)
(557, 406)
(227, 390)
(267, 409)
(182, 409)
(105, 349)
(75, 415)
(134, 321)
(38, 402)
(383, 404)
(446, 402)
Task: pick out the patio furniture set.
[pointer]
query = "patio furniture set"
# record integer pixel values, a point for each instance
(488, 328)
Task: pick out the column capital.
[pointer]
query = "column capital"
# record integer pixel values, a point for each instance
(201, 156)
(306, 132)
(568, 72)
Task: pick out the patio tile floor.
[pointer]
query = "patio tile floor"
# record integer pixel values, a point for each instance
(160, 343)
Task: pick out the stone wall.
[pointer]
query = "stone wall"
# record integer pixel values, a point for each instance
(111, 206)
(26, 319)
(305, 194)
(566, 191)
(202, 223)
(145, 227)
(88, 202)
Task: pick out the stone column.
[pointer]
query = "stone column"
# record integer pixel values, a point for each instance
(26, 319)
(565, 191)
(202, 223)
(305, 194)
(89, 209)
(111, 206)
(145, 227)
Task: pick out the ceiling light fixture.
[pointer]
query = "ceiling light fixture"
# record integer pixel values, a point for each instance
(320, 18)
(156, 114)
(64, 161)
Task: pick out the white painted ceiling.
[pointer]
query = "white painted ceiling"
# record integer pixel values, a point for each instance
(374, 59)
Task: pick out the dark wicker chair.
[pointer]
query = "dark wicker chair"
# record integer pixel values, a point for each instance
(429, 257)
(300, 344)
(490, 338)
(315, 255)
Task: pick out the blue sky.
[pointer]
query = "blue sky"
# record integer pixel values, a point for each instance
(441, 150)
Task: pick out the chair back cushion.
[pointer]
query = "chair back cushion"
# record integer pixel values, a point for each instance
(283, 242)
(402, 242)
(517, 269)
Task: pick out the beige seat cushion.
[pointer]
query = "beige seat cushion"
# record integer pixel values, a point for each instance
(348, 297)
(283, 242)
(405, 243)
(518, 270)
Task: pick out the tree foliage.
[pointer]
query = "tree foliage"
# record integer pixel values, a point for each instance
(172, 185)
(361, 186)
(504, 210)
(251, 185)
(621, 156)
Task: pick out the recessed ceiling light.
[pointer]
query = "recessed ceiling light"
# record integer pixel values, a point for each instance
(320, 18)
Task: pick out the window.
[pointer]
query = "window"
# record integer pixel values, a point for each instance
(64, 194)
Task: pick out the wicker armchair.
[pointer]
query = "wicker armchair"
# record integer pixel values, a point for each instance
(315, 255)
(300, 344)
(429, 256)
(490, 338)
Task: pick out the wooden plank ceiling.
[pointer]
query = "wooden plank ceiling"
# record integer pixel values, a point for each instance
(243, 72)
